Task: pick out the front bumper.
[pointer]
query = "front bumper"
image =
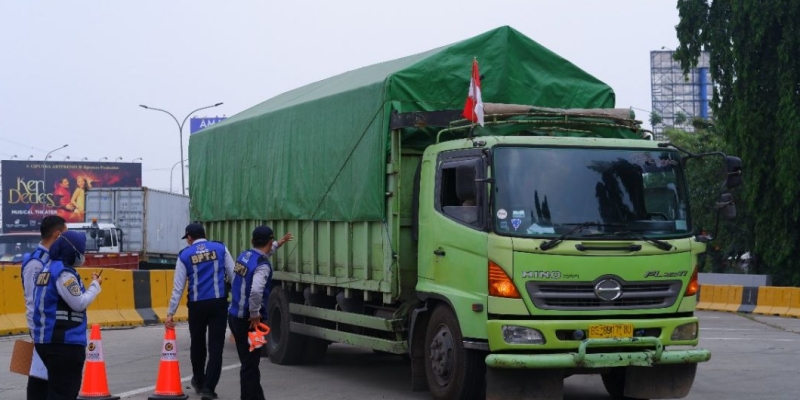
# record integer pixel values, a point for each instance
(580, 359)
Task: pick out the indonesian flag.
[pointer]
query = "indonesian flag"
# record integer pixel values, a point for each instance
(473, 109)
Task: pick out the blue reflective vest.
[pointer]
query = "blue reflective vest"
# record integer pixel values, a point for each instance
(53, 320)
(39, 254)
(243, 273)
(205, 270)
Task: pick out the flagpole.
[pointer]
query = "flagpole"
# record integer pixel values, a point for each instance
(474, 89)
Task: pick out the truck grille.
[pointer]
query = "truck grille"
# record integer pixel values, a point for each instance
(580, 296)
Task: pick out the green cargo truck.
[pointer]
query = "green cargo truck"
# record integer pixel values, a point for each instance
(554, 240)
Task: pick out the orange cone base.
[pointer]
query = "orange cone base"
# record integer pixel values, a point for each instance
(85, 397)
(160, 397)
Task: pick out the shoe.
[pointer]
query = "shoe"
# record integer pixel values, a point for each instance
(208, 395)
(198, 388)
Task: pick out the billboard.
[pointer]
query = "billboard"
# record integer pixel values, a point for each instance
(35, 189)
(196, 124)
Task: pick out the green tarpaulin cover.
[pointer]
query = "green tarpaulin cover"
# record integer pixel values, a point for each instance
(319, 152)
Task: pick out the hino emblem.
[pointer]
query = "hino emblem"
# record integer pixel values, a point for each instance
(608, 290)
(541, 274)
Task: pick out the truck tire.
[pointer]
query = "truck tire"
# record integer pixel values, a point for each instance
(453, 372)
(284, 347)
(614, 383)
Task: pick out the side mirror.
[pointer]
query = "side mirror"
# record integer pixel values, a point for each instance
(703, 238)
(733, 168)
(726, 207)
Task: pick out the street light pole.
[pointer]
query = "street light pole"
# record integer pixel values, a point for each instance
(170, 174)
(180, 134)
(44, 174)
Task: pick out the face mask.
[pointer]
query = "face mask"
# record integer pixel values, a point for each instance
(80, 260)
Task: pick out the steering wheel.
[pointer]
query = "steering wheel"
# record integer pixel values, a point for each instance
(658, 216)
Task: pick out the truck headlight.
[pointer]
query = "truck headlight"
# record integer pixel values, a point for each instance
(685, 332)
(521, 335)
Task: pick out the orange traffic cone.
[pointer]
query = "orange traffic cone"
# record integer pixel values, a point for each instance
(95, 384)
(168, 382)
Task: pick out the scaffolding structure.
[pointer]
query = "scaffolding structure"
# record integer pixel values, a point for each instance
(674, 93)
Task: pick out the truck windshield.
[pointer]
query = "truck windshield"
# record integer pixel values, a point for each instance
(96, 238)
(546, 192)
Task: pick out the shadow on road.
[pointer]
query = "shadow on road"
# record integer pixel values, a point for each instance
(392, 374)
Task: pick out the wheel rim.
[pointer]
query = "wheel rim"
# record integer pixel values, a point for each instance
(442, 356)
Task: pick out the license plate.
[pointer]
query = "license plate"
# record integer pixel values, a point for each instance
(610, 331)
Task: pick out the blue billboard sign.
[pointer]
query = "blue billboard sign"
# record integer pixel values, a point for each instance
(197, 124)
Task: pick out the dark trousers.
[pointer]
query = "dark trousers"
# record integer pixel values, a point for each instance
(249, 373)
(37, 388)
(64, 364)
(207, 317)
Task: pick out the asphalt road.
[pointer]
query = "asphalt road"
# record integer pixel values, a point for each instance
(752, 358)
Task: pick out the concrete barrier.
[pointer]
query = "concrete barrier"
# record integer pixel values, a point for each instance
(128, 298)
(13, 301)
(705, 297)
(749, 300)
(733, 301)
(719, 298)
(794, 307)
(764, 300)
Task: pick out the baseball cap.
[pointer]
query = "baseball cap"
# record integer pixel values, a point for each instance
(263, 233)
(195, 230)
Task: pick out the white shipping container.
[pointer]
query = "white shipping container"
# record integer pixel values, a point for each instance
(152, 221)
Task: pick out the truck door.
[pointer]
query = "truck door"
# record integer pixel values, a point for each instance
(452, 238)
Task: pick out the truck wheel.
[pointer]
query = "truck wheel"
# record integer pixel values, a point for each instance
(452, 371)
(614, 383)
(285, 347)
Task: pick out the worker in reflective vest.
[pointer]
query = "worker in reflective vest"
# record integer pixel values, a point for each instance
(59, 317)
(50, 228)
(252, 281)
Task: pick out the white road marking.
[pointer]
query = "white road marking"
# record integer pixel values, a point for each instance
(728, 329)
(184, 379)
(750, 339)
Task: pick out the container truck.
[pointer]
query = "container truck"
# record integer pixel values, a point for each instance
(554, 240)
(146, 222)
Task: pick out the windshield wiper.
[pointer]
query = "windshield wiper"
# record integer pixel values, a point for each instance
(638, 236)
(549, 244)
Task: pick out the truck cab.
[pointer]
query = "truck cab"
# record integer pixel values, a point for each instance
(547, 255)
(100, 237)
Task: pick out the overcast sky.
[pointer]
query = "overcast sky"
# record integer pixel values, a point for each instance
(74, 72)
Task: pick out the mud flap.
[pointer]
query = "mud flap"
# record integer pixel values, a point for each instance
(660, 381)
(507, 384)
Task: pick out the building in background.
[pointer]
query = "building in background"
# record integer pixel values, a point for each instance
(679, 98)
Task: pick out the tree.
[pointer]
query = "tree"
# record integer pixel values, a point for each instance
(680, 118)
(753, 47)
(655, 119)
(704, 177)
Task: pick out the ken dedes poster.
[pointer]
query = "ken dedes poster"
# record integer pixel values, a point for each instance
(35, 189)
